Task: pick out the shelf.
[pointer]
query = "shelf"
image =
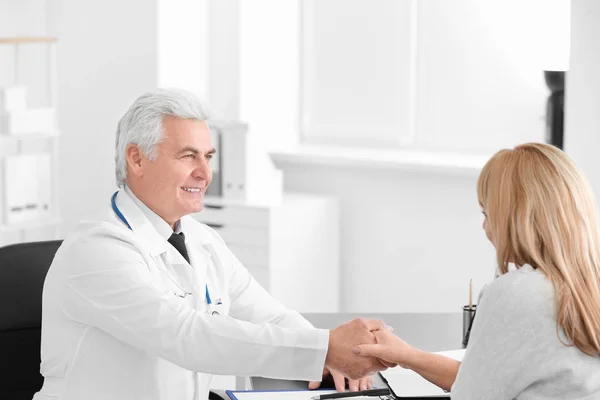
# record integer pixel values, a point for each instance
(30, 157)
(32, 224)
(403, 160)
(27, 40)
(27, 144)
(28, 136)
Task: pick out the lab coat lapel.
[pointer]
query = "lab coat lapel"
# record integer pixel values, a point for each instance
(151, 240)
(205, 257)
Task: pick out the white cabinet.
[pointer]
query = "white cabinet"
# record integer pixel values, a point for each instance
(291, 248)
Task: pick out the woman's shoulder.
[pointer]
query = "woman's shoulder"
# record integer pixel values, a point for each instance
(525, 288)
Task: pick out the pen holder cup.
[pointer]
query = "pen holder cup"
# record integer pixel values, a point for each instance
(468, 317)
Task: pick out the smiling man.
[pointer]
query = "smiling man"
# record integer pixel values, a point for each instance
(173, 181)
(144, 302)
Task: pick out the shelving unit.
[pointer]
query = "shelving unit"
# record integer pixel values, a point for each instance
(44, 222)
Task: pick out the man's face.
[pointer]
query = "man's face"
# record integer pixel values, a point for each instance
(173, 185)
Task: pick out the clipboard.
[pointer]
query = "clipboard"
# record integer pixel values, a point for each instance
(426, 391)
(296, 395)
(275, 394)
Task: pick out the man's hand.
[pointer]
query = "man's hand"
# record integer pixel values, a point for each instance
(354, 385)
(390, 349)
(343, 339)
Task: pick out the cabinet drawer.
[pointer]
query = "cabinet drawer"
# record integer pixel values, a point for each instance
(236, 216)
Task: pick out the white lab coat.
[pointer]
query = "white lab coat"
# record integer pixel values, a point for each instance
(114, 327)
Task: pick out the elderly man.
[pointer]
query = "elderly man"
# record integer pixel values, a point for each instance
(144, 302)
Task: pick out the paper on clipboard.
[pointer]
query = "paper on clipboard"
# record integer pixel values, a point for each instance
(407, 383)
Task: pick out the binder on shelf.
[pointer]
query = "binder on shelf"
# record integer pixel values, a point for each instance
(215, 189)
(246, 172)
(233, 158)
(13, 99)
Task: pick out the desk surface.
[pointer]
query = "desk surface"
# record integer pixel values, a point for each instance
(429, 332)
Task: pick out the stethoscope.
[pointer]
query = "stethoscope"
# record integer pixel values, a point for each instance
(185, 292)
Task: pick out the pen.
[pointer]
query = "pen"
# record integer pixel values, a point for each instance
(343, 395)
(471, 294)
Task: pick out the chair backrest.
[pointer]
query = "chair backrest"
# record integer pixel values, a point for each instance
(23, 268)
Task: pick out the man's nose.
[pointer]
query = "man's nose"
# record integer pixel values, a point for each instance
(202, 171)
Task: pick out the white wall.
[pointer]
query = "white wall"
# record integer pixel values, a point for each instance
(582, 96)
(409, 241)
(224, 59)
(183, 45)
(107, 56)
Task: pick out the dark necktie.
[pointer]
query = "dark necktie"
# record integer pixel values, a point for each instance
(178, 241)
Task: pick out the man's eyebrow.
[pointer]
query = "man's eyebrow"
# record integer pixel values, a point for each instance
(189, 149)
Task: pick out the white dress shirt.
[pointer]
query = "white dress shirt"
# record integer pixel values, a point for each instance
(117, 323)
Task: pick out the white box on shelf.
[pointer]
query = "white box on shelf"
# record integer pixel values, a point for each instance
(26, 188)
(13, 98)
(34, 120)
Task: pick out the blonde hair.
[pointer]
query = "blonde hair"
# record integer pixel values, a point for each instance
(541, 211)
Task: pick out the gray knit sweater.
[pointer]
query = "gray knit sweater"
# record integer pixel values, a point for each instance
(514, 351)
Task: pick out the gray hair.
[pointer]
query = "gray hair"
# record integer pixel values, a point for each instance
(142, 124)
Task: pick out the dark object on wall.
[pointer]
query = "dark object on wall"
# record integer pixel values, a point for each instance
(555, 108)
(23, 268)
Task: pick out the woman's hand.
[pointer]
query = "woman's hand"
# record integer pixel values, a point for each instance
(390, 349)
(340, 384)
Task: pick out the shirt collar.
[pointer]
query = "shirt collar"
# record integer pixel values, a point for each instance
(161, 226)
(153, 230)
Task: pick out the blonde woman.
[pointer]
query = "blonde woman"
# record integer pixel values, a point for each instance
(537, 331)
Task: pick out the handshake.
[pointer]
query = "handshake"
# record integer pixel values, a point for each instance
(347, 353)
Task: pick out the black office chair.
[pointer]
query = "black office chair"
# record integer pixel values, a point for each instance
(23, 268)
